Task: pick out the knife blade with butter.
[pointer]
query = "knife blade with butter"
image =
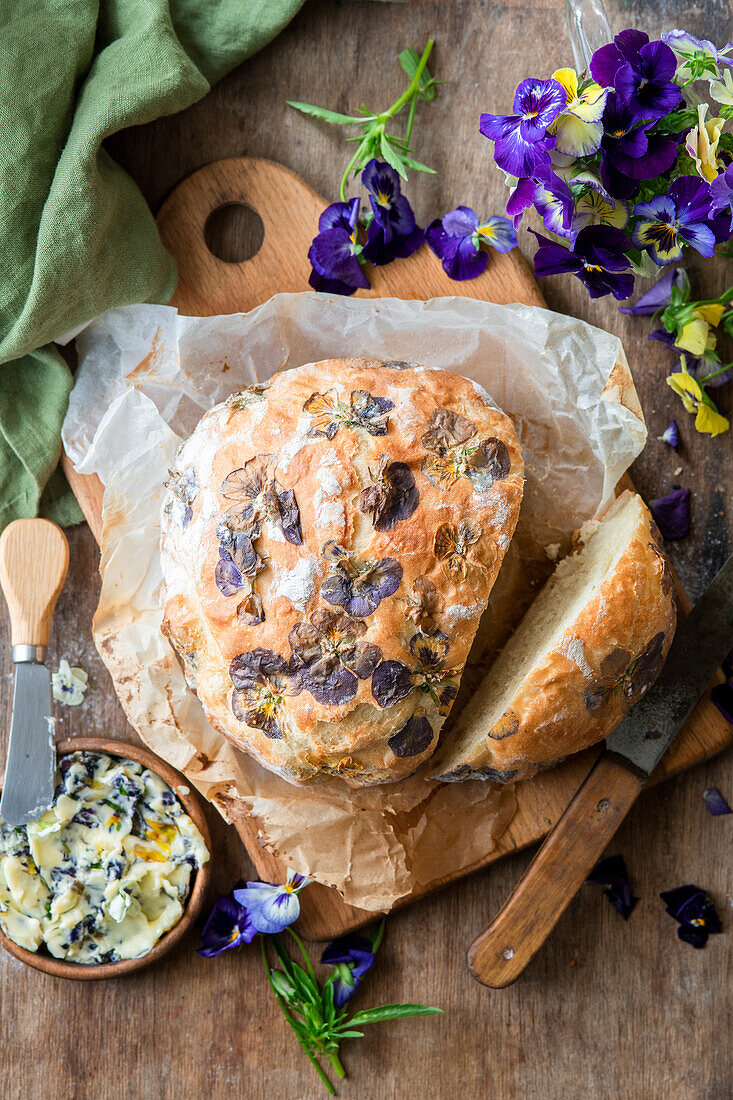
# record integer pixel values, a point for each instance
(499, 955)
(34, 558)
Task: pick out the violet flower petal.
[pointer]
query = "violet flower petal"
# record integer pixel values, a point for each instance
(722, 696)
(715, 804)
(659, 294)
(672, 514)
(611, 873)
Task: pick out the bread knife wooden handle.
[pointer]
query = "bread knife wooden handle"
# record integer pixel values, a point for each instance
(561, 866)
(499, 955)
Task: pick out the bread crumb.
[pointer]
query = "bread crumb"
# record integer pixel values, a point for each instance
(553, 551)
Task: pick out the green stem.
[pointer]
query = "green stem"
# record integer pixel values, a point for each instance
(715, 373)
(309, 1055)
(345, 177)
(410, 120)
(336, 1063)
(412, 86)
(303, 952)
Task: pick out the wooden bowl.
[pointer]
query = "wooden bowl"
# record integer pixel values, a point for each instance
(192, 804)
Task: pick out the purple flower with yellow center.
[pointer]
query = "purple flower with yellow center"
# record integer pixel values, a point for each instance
(659, 294)
(629, 153)
(393, 681)
(392, 231)
(457, 239)
(672, 514)
(694, 912)
(351, 957)
(356, 585)
(670, 221)
(262, 679)
(228, 926)
(596, 258)
(578, 130)
(522, 142)
(611, 873)
(331, 656)
(334, 253)
(272, 907)
(641, 72)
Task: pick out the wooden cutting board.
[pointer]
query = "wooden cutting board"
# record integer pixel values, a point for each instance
(289, 211)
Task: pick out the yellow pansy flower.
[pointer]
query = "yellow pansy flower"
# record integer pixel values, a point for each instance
(712, 313)
(595, 209)
(695, 337)
(695, 400)
(578, 130)
(702, 143)
(722, 90)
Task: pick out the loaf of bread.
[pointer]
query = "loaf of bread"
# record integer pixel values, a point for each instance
(329, 542)
(592, 642)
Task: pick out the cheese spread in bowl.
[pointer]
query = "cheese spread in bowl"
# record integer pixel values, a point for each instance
(106, 871)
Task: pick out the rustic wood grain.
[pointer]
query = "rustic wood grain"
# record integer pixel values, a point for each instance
(608, 1009)
(289, 209)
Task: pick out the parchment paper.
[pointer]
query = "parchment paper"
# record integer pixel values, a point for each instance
(146, 376)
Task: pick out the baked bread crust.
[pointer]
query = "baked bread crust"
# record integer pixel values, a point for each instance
(329, 542)
(580, 689)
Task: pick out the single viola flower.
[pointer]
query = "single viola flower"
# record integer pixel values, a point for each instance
(721, 192)
(695, 400)
(722, 696)
(457, 239)
(611, 873)
(697, 59)
(670, 435)
(330, 655)
(351, 957)
(184, 486)
(721, 90)
(392, 232)
(262, 679)
(272, 907)
(522, 142)
(672, 514)
(670, 221)
(228, 926)
(595, 208)
(629, 153)
(334, 253)
(554, 202)
(702, 143)
(641, 72)
(659, 294)
(578, 130)
(356, 585)
(596, 258)
(694, 912)
(715, 804)
(69, 684)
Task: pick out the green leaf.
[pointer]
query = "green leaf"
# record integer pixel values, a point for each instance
(375, 935)
(282, 985)
(409, 60)
(417, 166)
(351, 1034)
(392, 1012)
(326, 115)
(392, 157)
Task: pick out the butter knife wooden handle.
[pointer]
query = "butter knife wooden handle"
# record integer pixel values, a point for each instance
(499, 955)
(34, 558)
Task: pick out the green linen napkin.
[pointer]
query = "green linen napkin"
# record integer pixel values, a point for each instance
(76, 236)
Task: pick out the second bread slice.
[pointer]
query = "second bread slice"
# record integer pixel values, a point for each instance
(590, 645)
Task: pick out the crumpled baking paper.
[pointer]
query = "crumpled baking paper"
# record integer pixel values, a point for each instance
(147, 374)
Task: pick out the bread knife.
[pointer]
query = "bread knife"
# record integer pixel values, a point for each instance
(499, 955)
(34, 558)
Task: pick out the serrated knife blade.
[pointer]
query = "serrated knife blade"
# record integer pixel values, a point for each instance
(700, 645)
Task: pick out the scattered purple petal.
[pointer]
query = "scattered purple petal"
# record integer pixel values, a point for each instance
(672, 514)
(694, 912)
(670, 435)
(611, 873)
(715, 803)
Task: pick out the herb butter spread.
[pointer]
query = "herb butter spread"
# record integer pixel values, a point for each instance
(106, 871)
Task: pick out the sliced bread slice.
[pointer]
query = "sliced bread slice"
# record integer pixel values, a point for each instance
(590, 645)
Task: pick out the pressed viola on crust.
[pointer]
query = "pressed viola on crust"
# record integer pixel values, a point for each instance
(364, 411)
(331, 656)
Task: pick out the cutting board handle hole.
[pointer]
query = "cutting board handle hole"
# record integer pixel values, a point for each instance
(234, 232)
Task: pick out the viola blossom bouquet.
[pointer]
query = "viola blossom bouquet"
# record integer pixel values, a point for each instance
(630, 166)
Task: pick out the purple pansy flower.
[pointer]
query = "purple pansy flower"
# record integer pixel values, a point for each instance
(228, 926)
(330, 655)
(641, 72)
(694, 912)
(262, 679)
(596, 258)
(272, 907)
(184, 485)
(334, 253)
(722, 696)
(392, 232)
(721, 191)
(678, 218)
(555, 204)
(456, 240)
(672, 514)
(670, 435)
(697, 366)
(698, 56)
(611, 873)
(715, 804)
(358, 586)
(521, 139)
(659, 294)
(629, 153)
(350, 956)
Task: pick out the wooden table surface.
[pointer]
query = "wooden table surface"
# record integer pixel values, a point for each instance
(609, 1009)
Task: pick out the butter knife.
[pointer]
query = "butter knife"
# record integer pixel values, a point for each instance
(499, 955)
(34, 558)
